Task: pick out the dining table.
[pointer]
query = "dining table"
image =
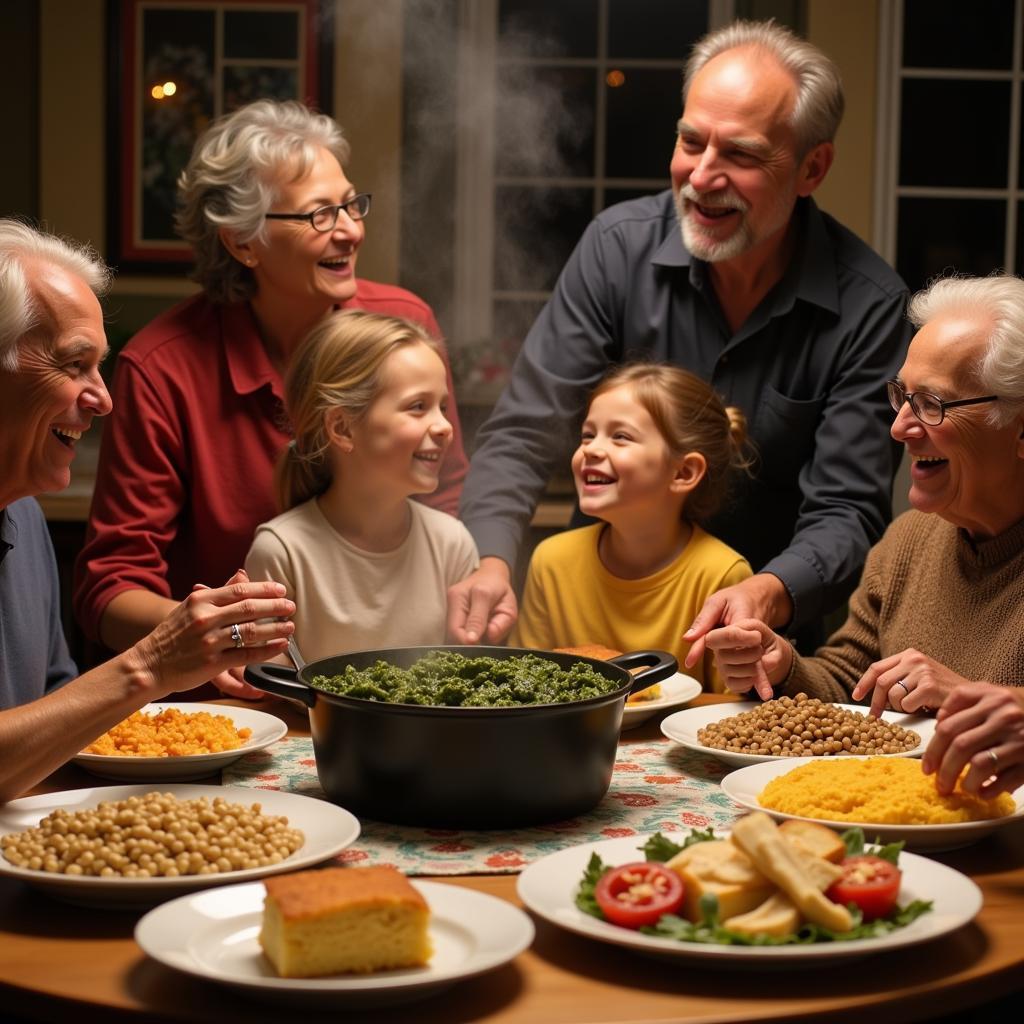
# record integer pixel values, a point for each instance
(60, 962)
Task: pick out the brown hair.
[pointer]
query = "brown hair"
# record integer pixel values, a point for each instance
(691, 417)
(339, 365)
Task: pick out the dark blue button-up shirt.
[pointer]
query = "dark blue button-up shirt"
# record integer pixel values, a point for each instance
(808, 369)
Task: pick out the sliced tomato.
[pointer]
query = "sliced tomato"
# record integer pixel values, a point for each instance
(638, 894)
(871, 883)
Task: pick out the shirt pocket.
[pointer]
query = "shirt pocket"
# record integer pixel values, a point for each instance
(784, 433)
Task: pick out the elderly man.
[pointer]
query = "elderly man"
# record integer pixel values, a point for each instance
(51, 346)
(736, 275)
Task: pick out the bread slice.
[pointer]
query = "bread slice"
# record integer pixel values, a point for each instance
(602, 653)
(343, 920)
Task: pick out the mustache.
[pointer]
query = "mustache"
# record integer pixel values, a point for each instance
(722, 198)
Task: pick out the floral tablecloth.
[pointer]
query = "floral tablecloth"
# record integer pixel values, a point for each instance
(656, 786)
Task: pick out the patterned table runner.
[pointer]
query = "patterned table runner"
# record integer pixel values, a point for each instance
(656, 786)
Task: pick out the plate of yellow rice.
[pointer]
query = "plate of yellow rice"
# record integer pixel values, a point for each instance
(889, 797)
(176, 742)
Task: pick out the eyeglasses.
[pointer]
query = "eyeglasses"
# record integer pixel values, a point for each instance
(324, 218)
(927, 408)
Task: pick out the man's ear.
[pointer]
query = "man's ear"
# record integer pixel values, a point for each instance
(814, 167)
(690, 470)
(338, 428)
(242, 251)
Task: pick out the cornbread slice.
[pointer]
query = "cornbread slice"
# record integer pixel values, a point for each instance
(602, 653)
(343, 921)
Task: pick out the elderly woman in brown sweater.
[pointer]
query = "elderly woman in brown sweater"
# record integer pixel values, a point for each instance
(940, 601)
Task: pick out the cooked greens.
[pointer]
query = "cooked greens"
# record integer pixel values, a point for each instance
(447, 679)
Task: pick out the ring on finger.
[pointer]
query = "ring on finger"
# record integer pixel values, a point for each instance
(236, 636)
(903, 683)
(995, 759)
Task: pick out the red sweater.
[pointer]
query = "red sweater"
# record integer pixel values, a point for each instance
(186, 464)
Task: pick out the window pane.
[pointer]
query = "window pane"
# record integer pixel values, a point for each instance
(245, 84)
(545, 122)
(535, 230)
(1018, 264)
(642, 116)
(542, 28)
(939, 236)
(261, 35)
(663, 29)
(955, 34)
(934, 113)
(178, 46)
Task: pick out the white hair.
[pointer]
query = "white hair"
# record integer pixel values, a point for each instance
(819, 89)
(998, 299)
(229, 182)
(18, 311)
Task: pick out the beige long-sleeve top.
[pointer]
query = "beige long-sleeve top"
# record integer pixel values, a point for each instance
(927, 585)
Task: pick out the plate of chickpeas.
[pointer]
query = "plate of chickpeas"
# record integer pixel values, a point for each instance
(175, 742)
(746, 732)
(135, 846)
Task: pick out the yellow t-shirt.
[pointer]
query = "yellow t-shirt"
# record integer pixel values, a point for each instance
(571, 598)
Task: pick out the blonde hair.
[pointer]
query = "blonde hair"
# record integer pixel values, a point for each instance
(338, 366)
(229, 182)
(19, 242)
(691, 417)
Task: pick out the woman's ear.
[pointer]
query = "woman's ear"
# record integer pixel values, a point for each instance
(690, 470)
(242, 251)
(338, 428)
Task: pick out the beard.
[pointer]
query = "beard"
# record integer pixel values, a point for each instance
(702, 244)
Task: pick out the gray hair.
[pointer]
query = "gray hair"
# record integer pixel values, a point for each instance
(18, 312)
(1000, 299)
(229, 183)
(819, 89)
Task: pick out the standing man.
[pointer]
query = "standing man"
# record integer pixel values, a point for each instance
(736, 275)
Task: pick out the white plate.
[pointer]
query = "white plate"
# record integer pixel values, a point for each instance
(328, 830)
(684, 725)
(744, 785)
(266, 729)
(213, 935)
(676, 690)
(548, 888)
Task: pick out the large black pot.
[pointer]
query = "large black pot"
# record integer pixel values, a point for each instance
(466, 767)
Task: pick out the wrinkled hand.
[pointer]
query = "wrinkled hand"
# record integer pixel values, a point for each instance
(909, 681)
(762, 597)
(748, 655)
(194, 643)
(483, 605)
(977, 721)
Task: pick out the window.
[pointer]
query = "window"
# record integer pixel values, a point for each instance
(952, 184)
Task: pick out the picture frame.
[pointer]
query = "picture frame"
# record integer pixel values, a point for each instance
(173, 67)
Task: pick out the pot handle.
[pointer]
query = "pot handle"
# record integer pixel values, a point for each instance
(659, 665)
(282, 680)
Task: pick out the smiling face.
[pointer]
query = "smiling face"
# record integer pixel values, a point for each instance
(964, 470)
(50, 401)
(735, 172)
(298, 267)
(623, 468)
(396, 447)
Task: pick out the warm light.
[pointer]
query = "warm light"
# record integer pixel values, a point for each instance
(615, 78)
(170, 88)
(157, 92)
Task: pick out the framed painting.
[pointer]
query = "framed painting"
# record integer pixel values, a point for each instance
(173, 67)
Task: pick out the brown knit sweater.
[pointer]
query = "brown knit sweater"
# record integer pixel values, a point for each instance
(927, 585)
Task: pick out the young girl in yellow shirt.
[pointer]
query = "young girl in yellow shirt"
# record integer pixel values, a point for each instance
(656, 453)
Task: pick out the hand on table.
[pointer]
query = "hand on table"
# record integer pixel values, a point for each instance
(909, 681)
(483, 605)
(981, 725)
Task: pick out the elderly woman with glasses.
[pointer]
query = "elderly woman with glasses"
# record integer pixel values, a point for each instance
(185, 470)
(941, 599)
